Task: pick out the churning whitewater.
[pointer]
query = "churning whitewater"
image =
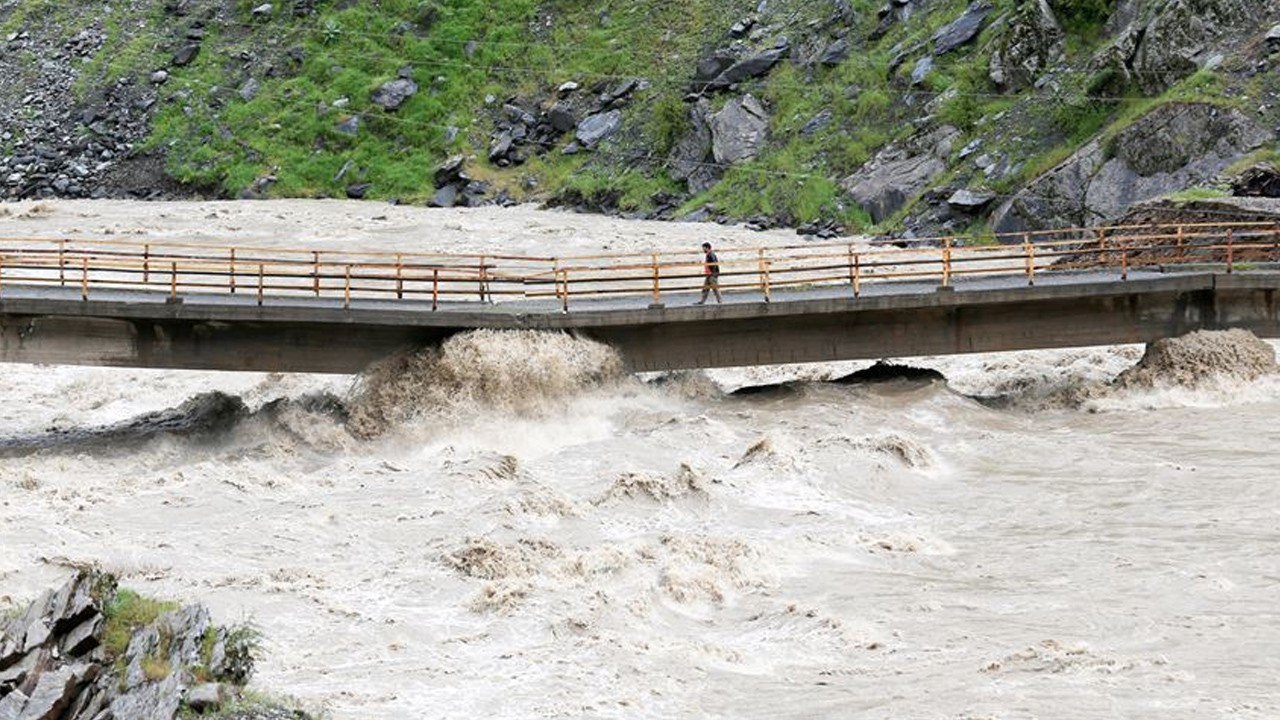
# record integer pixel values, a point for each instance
(509, 526)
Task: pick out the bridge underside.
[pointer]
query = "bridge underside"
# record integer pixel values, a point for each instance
(301, 338)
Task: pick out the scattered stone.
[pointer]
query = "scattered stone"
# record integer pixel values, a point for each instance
(742, 27)
(262, 11)
(1262, 180)
(205, 697)
(922, 68)
(970, 201)
(249, 90)
(595, 128)
(445, 197)
(562, 118)
(710, 67)
(357, 191)
(185, 55)
(349, 125)
(393, 94)
(450, 172)
(159, 77)
(754, 66)
(961, 30)
(500, 148)
(835, 53)
(817, 123)
(1273, 37)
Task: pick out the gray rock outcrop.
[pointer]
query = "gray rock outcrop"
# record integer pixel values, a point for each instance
(1173, 147)
(1032, 42)
(1170, 40)
(690, 159)
(54, 664)
(900, 172)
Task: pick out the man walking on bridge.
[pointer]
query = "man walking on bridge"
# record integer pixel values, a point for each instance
(711, 270)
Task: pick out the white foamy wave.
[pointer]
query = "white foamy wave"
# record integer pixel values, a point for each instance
(515, 371)
(683, 483)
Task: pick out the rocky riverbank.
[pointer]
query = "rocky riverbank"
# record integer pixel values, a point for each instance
(92, 651)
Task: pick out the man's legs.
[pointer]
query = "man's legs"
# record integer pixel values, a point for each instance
(706, 288)
(714, 282)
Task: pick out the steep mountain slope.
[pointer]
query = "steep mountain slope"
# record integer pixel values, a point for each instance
(925, 116)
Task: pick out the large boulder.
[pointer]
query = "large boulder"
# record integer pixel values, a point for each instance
(1171, 148)
(900, 172)
(1032, 42)
(739, 130)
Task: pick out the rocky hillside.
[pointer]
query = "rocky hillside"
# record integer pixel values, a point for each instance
(912, 116)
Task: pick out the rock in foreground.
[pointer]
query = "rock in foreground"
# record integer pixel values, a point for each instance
(89, 651)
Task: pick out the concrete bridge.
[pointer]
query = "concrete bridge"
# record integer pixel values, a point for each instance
(254, 309)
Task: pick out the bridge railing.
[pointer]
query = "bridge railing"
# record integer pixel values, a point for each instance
(267, 274)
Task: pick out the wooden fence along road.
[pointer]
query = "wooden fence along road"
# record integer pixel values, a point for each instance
(263, 275)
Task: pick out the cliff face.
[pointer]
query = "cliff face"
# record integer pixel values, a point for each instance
(924, 116)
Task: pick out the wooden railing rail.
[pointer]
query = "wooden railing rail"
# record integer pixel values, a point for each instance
(268, 274)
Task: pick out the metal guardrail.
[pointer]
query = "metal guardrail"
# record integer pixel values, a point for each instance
(269, 273)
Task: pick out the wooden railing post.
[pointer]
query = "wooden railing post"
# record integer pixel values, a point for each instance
(399, 276)
(850, 250)
(261, 282)
(764, 273)
(564, 274)
(1231, 259)
(1, 275)
(1182, 242)
(857, 274)
(1030, 252)
(173, 280)
(482, 278)
(315, 273)
(62, 263)
(346, 289)
(1124, 264)
(146, 264)
(657, 281)
(946, 262)
(435, 288)
(84, 278)
(233, 273)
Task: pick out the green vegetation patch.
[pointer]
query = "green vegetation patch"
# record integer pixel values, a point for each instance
(127, 612)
